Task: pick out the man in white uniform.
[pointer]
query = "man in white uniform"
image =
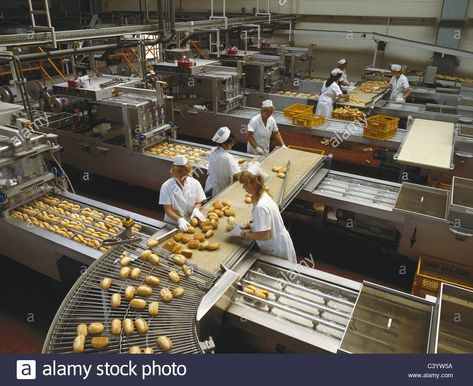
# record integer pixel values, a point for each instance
(181, 195)
(223, 167)
(399, 84)
(261, 129)
(267, 226)
(331, 92)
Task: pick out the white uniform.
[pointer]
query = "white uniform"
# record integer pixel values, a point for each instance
(344, 76)
(222, 167)
(399, 87)
(327, 99)
(182, 200)
(266, 216)
(261, 133)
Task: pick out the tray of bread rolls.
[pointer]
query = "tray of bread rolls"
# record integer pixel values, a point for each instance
(132, 299)
(206, 243)
(169, 149)
(364, 94)
(74, 221)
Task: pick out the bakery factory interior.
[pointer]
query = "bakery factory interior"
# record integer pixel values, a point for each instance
(236, 176)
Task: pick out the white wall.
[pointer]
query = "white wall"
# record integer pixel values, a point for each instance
(358, 52)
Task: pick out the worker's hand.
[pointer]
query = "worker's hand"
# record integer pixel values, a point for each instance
(400, 100)
(284, 146)
(198, 214)
(235, 232)
(259, 151)
(245, 225)
(183, 224)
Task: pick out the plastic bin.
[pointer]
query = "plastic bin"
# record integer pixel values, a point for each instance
(309, 120)
(298, 109)
(381, 127)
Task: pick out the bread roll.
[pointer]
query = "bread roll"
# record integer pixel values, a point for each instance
(166, 294)
(174, 277)
(190, 230)
(144, 290)
(194, 222)
(125, 272)
(228, 228)
(141, 326)
(153, 308)
(82, 329)
(213, 246)
(179, 259)
(78, 345)
(209, 234)
(186, 253)
(128, 326)
(148, 350)
(248, 200)
(134, 350)
(230, 212)
(125, 261)
(203, 245)
(178, 236)
(116, 327)
(106, 283)
(212, 216)
(154, 259)
(138, 304)
(164, 343)
(135, 273)
(193, 244)
(226, 203)
(199, 236)
(95, 328)
(130, 292)
(187, 270)
(152, 243)
(152, 280)
(231, 219)
(186, 238)
(281, 175)
(177, 292)
(116, 300)
(145, 254)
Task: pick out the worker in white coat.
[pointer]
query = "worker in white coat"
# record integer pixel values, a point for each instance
(181, 195)
(223, 167)
(267, 226)
(261, 129)
(399, 84)
(331, 91)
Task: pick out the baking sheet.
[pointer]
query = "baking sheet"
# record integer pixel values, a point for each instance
(428, 144)
(301, 165)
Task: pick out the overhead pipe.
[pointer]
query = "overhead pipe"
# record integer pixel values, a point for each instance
(72, 51)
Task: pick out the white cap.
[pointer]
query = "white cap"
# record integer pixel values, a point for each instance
(180, 160)
(267, 103)
(221, 135)
(254, 168)
(396, 67)
(342, 61)
(336, 71)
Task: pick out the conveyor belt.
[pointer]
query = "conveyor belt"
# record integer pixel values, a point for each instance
(87, 302)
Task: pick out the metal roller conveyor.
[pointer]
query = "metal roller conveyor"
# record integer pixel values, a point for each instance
(87, 302)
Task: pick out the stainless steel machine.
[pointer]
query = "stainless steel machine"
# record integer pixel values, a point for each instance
(123, 125)
(41, 223)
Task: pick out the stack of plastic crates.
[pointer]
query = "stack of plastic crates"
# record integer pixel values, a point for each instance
(303, 115)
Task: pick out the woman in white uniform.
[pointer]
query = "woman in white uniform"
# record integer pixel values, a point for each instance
(342, 64)
(399, 84)
(223, 167)
(181, 195)
(331, 91)
(267, 227)
(261, 129)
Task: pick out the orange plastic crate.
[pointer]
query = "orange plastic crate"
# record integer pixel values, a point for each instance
(298, 109)
(309, 120)
(382, 122)
(377, 134)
